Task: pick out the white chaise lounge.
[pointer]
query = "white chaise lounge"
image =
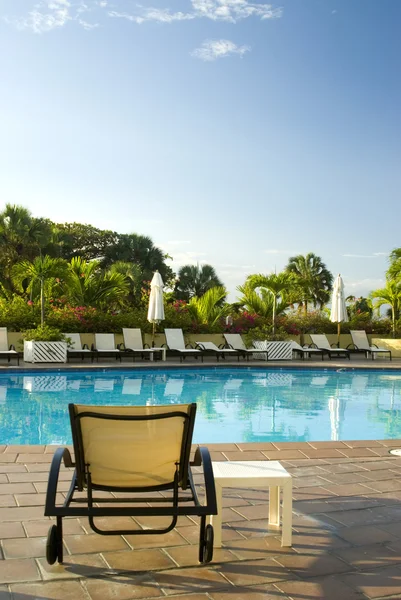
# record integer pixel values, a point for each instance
(298, 349)
(210, 347)
(235, 341)
(175, 341)
(133, 343)
(361, 343)
(105, 344)
(321, 342)
(75, 347)
(7, 351)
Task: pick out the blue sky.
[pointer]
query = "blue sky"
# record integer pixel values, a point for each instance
(232, 132)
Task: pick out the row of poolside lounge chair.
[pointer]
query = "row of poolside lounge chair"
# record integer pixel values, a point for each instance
(133, 346)
(234, 346)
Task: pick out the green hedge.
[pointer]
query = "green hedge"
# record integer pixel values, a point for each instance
(18, 315)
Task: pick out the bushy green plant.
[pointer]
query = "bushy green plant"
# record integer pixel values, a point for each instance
(312, 322)
(43, 333)
(265, 333)
(18, 314)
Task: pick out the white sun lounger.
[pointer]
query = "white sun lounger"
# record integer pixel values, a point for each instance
(75, 347)
(105, 344)
(322, 343)
(298, 349)
(235, 341)
(133, 343)
(6, 350)
(210, 347)
(361, 343)
(175, 341)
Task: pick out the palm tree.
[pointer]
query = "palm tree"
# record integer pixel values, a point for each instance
(27, 275)
(390, 294)
(88, 285)
(209, 308)
(133, 275)
(314, 279)
(394, 270)
(278, 286)
(195, 280)
(22, 232)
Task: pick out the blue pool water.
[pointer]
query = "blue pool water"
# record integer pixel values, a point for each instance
(234, 405)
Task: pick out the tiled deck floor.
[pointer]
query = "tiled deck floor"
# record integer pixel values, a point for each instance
(346, 543)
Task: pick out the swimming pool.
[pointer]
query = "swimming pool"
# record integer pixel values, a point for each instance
(234, 405)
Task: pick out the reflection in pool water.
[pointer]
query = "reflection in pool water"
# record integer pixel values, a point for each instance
(234, 405)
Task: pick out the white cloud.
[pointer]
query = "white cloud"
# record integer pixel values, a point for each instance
(86, 25)
(233, 10)
(213, 49)
(216, 10)
(51, 14)
(47, 15)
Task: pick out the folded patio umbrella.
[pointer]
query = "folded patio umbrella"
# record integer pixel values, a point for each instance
(156, 303)
(338, 312)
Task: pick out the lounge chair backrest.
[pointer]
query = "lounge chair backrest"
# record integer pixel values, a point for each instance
(175, 339)
(321, 341)
(104, 341)
(3, 339)
(360, 340)
(234, 340)
(133, 339)
(208, 346)
(132, 446)
(75, 341)
(296, 346)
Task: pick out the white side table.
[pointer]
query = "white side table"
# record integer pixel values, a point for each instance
(256, 474)
(162, 350)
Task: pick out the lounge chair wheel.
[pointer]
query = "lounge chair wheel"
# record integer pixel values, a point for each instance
(52, 545)
(206, 545)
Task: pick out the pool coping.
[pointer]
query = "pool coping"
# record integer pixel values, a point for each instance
(168, 366)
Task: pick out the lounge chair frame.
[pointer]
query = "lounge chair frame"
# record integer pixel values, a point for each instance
(187, 350)
(220, 352)
(244, 351)
(145, 351)
(80, 352)
(371, 349)
(11, 352)
(298, 349)
(81, 480)
(332, 350)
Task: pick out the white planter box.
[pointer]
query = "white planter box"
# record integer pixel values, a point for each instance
(275, 350)
(45, 352)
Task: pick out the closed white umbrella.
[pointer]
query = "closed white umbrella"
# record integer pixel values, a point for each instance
(338, 312)
(156, 304)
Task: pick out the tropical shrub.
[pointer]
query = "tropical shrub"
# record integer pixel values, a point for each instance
(18, 314)
(43, 333)
(265, 333)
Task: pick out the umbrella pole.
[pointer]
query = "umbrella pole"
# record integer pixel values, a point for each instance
(338, 334)
(153, 334)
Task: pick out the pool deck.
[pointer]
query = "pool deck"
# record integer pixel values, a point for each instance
(346, 528)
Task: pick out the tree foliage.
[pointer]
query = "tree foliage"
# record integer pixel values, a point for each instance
(28, 276)
(195, 280)
(315, 282)
(209, 308)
